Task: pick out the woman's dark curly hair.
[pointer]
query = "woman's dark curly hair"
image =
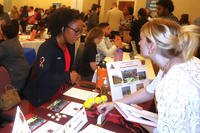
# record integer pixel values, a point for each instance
(166, 4)
(60, 18)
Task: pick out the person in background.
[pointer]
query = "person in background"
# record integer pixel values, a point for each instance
(4, 14)
(24, 18)
(12, 55)
(114, 18)
(184, 19)
(88, 63)
(148, 12)
(165, 9)
(197, 22)
(93, 18)
(3, 20)
(172, 48)
(136, 25)
(106, 47)
(52, 70)
(14, 14)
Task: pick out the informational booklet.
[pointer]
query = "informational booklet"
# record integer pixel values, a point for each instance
(80, 94)
(126, 77)
(133, 114)
(39, 125)
(95, 129)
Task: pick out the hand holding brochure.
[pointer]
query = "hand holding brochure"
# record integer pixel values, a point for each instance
(133, 114)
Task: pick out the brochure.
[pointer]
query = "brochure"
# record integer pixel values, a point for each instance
(133, 114)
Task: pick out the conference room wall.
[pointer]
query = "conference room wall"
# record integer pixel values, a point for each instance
(40, 3)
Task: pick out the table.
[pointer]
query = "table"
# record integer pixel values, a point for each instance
(30, 55)
(35, 44)
(110, 125)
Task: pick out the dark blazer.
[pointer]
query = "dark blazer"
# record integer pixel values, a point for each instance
(12, 58)
(136, 25)
(48, 73)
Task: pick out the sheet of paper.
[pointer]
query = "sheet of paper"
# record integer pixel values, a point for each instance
(72, 108)
(49, 127)
(20, 123)
(80, 94)
(92, 128)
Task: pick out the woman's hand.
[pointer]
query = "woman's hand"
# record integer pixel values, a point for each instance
(75, 77)
(105, 108)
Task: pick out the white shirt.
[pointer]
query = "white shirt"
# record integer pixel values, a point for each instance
(178, 98)
(106, 48)
(114, 17)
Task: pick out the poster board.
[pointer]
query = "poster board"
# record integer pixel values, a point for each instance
(126, 77)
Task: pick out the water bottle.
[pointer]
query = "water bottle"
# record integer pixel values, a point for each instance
(98, 59)
(105, 86)
(118, 55)
(134, 48)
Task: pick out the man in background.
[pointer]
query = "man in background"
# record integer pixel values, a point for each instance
(114, 18)
(106, 47)
(93, 18)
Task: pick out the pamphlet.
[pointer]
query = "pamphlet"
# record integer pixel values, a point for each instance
(133, 114)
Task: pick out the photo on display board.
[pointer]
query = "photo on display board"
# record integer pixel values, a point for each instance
(142, 75)
(129, 75)
(116, 79)
(139, 86)
(126, 90)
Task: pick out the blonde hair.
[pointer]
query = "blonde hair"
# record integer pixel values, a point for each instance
(172, 39)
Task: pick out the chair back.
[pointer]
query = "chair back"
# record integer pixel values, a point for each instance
(4, 78)
(78, 57)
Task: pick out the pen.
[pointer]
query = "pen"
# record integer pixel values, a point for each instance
(144, 118)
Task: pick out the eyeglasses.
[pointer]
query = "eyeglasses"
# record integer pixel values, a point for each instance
(76, 31)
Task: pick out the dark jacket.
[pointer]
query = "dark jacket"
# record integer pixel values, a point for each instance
(93, 20)
(48, 73)
(136, 25)
(12, 58)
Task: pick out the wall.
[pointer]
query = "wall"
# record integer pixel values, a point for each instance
(190, 7)
(105, 6)
(87, 4)
(40, 3)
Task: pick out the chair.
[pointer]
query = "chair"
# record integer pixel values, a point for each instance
(30, 55)
(78, 57)
(9, 115)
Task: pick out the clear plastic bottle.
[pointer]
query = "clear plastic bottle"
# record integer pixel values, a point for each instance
(134, 48)
(105, 87)
(98, 59)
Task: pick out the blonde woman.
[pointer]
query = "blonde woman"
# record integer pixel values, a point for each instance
(177, 85)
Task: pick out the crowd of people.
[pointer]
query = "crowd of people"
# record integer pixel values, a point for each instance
(168, 42)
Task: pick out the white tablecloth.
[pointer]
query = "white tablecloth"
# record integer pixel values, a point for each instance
(35, 44)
